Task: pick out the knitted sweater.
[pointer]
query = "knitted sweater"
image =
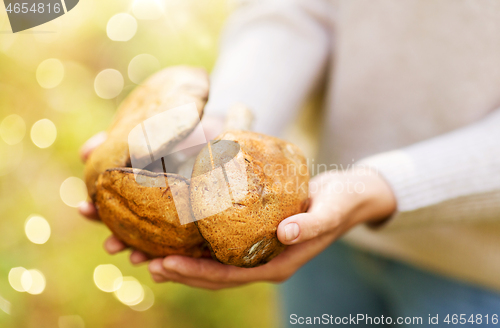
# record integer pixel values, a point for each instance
(412, 90)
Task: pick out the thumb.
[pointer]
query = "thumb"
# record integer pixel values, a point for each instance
(306, 226)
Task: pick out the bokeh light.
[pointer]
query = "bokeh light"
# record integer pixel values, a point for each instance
(12, 129)
(50, 73)
(130, 292)
(37, 229)
(108, 277)
(147, 302)
(121, 27)
(33, 281)
(26, 280)
(73, 191)
(71, 321)
(15, 275)
(43, 133)
(142, 66)
(4, 305)
(147, 9)
(109, 83)
(185, 33)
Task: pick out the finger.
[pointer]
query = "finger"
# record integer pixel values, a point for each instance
(188, 270)
(206, 269)
(322, 216)
(211, 270)
(305, 226)
(159, 278)
(155, 267)
(137, 257)
(92, 144)
(88, 210)
(277, 270)
(193, 282)
(160, 274)
(113, 245)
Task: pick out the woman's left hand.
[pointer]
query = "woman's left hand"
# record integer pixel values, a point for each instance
(339, 201)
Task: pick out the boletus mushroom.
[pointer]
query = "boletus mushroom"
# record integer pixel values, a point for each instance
(243, 185)
(137, 204)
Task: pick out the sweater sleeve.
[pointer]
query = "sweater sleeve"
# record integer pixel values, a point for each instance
(272, 54)
(450, 178)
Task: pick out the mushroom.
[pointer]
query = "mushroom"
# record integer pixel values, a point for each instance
(243, 185)
(137, 204)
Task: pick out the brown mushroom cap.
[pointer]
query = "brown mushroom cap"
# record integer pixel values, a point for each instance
(144, 215)
(140, 209)
(238, 208)
(167, 89)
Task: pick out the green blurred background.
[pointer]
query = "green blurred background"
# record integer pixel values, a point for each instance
(50, 73)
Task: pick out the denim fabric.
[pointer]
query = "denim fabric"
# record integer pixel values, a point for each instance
(344, 282)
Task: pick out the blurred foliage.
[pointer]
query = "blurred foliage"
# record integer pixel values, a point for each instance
(187, 33)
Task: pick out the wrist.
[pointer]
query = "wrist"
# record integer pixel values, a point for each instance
(374, 199)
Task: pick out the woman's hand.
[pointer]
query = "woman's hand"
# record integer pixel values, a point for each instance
(340, 200)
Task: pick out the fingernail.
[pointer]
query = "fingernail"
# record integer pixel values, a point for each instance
(155, 267)
(169, 264)
(136, 257)
(114, 247)
(291, 231)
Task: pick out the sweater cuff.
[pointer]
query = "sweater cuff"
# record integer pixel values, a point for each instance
(398, 170)
(430, 188)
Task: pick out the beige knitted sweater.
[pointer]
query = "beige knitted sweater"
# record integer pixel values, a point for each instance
(413, 89)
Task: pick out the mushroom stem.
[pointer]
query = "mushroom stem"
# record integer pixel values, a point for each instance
(239, 117)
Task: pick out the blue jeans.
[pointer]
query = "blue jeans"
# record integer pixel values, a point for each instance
(343, 284)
